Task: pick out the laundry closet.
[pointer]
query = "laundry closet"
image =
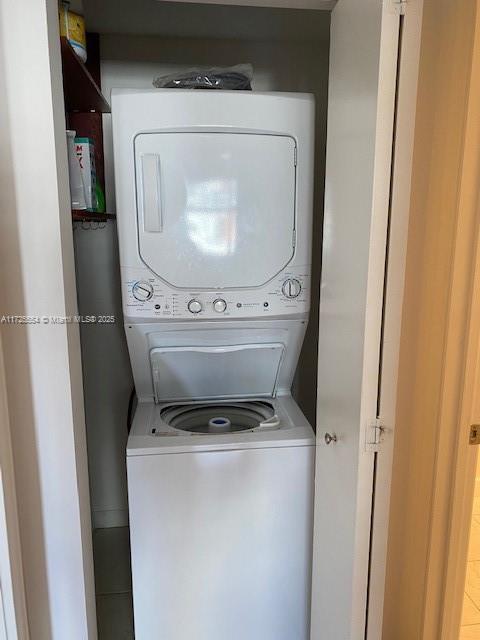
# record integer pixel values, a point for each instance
(346, 58)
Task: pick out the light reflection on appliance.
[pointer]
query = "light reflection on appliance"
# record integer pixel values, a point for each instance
(211, 216)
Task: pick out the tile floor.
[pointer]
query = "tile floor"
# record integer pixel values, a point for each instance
(470, 629)
(113, 583)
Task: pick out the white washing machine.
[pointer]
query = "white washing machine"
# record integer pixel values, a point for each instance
(214, 206)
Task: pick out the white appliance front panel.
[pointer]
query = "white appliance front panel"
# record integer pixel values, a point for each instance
(147, 297)
(215, 210)
(221, 544)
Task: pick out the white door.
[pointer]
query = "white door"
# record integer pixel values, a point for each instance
(215, 210)
(362, 87)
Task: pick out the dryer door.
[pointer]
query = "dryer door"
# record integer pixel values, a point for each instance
(215, 210)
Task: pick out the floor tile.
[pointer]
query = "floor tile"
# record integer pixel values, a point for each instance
(111, 553)
(474, 545)
(470, 613)
(115, 617)
(470, 632)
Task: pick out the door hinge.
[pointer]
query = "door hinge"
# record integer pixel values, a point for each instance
(374, 435)
(400, 7)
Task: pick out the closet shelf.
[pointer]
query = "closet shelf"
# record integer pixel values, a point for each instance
(79, 215)
(81, 91)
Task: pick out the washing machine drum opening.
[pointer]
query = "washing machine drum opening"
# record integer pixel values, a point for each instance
(218, 417)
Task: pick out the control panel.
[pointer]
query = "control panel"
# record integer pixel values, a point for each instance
(146, 296)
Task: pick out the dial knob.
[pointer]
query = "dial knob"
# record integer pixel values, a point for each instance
(291, 288)
(194, 306)
(220, 305)
(142, 291)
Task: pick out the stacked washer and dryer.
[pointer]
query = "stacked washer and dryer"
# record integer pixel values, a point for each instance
(214, 205)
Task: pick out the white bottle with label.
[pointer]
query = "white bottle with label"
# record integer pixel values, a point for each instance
(77, 191)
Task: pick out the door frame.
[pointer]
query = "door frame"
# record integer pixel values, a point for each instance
(42, 35)
(439, 377)
(466, 270)
(455, 469)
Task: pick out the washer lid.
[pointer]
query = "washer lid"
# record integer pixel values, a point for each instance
(236, 371)
(215, 210)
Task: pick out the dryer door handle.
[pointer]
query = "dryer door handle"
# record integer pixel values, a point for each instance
(151, 194)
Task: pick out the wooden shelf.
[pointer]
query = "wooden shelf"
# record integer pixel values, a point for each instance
(80, 89)
(80, 215)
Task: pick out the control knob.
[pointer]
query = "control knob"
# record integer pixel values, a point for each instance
(195, 306)
(142, 291)
(220, 305)
(291, 288)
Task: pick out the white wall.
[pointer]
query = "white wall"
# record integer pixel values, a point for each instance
(133, 61)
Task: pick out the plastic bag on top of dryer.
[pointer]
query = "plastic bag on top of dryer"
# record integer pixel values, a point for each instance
(238, 77)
